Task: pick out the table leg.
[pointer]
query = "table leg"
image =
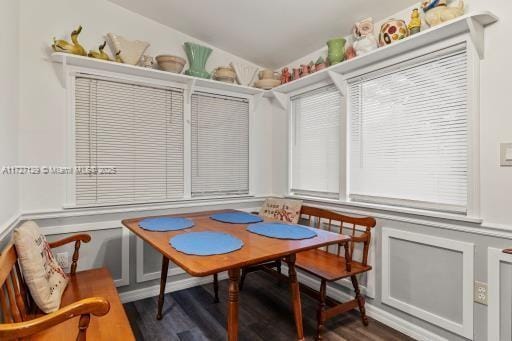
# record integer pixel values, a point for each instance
(234, 277)
(294, 286)
(163, 281)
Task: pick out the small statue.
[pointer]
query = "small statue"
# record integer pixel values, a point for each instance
(118, 57)
(312, 67)
(304, 70)
(147, 62)
(350, 53)
(99, 54)
(415, 23)
(364, 39)
(285, 75)
(437, 12)
(62, 45)
(320, 63)
(296, 74)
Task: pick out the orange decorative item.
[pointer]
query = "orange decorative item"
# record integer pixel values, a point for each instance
(304, 70)
(350, 52)
(285, 75)
(393, 30)
(296, 74)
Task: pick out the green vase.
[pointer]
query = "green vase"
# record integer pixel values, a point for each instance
(197, 56)
(336, 50)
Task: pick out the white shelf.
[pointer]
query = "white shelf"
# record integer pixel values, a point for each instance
(472, 23)
(86, 62)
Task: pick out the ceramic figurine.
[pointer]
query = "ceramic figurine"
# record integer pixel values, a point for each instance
(364, 38)
(62, 45)
(393, 30)
(437, 12)
(304, 70)
(336, 50)
(147, 62)
(130, 51)
(197, 56)
(296, 74)
(415, 23)
(320, 63)
(118, 58)
(312, 67)
(350, 53)
(285, 75)
(245, 73)
(100, 54)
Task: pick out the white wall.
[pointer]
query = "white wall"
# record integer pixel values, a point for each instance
(9, 203)
(43, 116)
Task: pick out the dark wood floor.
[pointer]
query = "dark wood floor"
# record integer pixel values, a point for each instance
(265, 315)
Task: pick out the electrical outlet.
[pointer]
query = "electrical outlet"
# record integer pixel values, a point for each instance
(480, 293)
(63, 259)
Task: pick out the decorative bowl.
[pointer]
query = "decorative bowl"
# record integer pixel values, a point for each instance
(224, 74)
(170, 63)
(267, 83)
(244, 73)
(130, 51)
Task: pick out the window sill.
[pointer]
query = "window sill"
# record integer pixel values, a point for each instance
(73, 210)
(393, 209)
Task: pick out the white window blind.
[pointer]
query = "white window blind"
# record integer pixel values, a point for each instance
(220, 145)
(409, 133)
(136, 129)
(315, 142)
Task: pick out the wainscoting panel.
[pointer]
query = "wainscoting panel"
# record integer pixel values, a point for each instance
(430, 278)
(499, 277)
(149, 263)
(109, 247)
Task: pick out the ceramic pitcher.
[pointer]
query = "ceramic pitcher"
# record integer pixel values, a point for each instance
(336, 50)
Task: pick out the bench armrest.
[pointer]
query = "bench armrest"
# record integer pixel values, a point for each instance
(77, 238)
(509, 251)
(97, 306)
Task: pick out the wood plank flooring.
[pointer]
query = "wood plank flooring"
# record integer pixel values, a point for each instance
(265, 315)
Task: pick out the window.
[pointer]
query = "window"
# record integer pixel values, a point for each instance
(136, 129)
(220, 145)
(409, 133)
(315, 143)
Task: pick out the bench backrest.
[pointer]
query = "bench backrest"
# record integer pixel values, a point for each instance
(14, 296)
(318, 217)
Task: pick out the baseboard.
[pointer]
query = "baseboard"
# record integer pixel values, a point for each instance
(139, 294)
(390, 320)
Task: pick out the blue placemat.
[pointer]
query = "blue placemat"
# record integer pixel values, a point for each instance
(205, 243)
(165, 224)
(282, 231)
(236, 217)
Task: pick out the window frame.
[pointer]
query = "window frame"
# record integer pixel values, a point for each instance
(68, 83)
(473, 157)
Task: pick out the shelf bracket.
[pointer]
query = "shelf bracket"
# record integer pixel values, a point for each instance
(190, 89)
(63, 74)
(282, 99)
(256, 99)
(476, 32)
(339, 81)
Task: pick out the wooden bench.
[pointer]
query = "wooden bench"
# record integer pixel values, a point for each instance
(90, 292)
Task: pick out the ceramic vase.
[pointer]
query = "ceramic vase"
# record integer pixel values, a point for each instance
(336, 50)
(129, 51)
(393, 30)
(197, 56)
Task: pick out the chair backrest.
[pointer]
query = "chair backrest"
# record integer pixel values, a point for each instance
(319, 218)
(14, 296)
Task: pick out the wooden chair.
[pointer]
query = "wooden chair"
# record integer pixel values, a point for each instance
(330, 267)
(90, 292)
(508, 251)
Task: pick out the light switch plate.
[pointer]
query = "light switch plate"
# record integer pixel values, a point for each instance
(506, 154)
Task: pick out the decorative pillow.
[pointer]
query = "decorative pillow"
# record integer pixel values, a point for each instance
(286, 210)
(44, 277)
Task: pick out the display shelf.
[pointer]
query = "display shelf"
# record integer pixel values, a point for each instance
(97, 64)
(472, 23)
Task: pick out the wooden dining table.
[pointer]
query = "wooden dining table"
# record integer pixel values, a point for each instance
(256, 249)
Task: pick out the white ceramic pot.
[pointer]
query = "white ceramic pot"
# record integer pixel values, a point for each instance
(170, 63)
(131, 50)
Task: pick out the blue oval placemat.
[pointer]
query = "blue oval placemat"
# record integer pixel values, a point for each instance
(205, 243)
(236, 217)
(162, 224)
(282, 231)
